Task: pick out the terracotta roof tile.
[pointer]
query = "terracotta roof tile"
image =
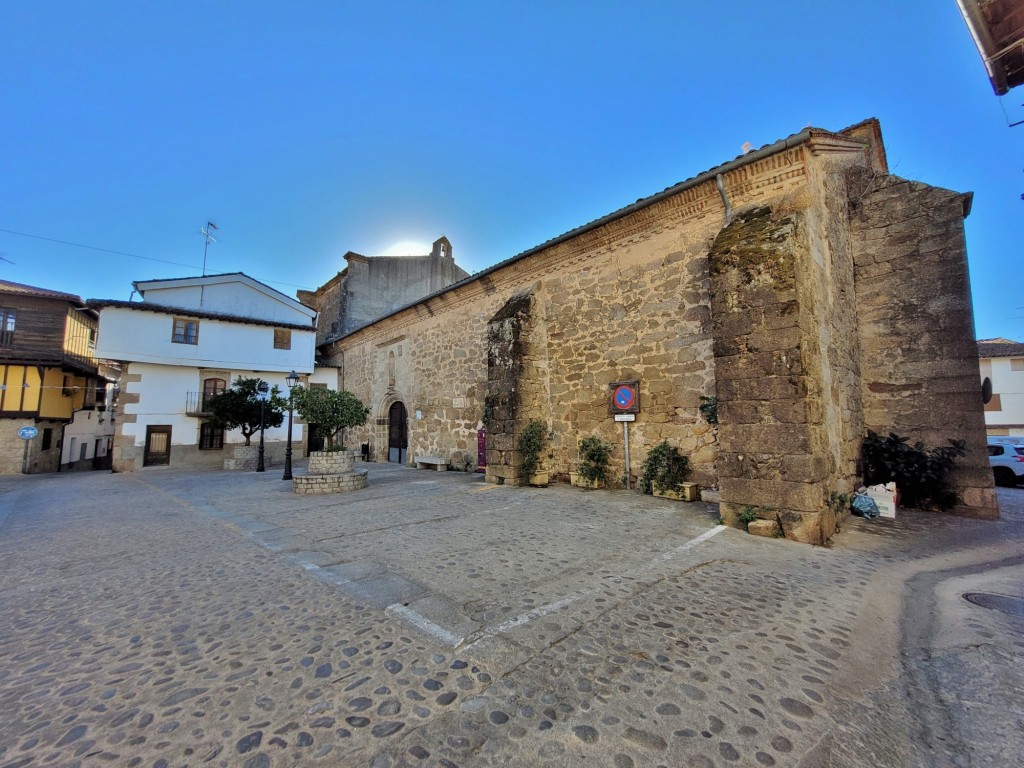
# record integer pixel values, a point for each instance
(149, 306)
(1000, 348)
(6, 286)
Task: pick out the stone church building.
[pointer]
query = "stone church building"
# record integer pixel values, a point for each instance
(373, 286)
(814, 294)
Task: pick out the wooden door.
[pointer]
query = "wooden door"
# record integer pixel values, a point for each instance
(315, 440)
(398, 433)
(158, 446)
(481, 450)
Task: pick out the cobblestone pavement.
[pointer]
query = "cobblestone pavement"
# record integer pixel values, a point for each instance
(169, 618)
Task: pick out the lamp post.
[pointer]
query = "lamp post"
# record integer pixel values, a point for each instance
(263, 388)
(292, 379)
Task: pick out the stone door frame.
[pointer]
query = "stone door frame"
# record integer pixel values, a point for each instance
(379, 432)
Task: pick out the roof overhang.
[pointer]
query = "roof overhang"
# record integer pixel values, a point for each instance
(997, 27)
(230, 277)
(164, 309)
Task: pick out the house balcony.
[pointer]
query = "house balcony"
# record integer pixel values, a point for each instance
(68, 362)
(195, 404)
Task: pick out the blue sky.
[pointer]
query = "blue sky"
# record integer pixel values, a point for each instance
(305, 130)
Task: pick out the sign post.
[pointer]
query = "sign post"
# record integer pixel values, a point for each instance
(27, 434)
(624, 406)
(263, 394)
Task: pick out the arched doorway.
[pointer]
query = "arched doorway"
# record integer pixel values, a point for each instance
(398, 433)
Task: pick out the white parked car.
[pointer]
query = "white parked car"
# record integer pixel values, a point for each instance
(1007, 461)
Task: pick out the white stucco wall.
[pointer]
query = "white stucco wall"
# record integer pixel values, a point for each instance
(163, 392)
(1008, 384)
(233, 297)
(328, 376)
(143, 336)
(87, 427)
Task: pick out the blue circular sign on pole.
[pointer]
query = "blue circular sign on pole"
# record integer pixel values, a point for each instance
(27, 433)
(624, 398)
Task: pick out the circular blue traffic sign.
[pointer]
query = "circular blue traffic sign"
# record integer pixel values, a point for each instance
(27, 433)
(624, 396)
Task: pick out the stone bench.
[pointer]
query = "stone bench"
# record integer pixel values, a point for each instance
(425, 462)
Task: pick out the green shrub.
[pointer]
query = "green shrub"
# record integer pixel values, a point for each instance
(709, 409)
(664, 469)
(532, 441)
(747, 515)
(594, 456)
(838, 502)
(331, 411)
(921, 474)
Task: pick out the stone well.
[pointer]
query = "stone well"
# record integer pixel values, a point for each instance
(330, 472)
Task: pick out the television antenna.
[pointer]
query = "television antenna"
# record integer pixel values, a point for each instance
(205, 232)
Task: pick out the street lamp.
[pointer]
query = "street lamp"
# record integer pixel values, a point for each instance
(292, 379)
(263, 388)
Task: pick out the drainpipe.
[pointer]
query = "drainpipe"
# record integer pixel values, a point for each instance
(60, 448)
(720, 183)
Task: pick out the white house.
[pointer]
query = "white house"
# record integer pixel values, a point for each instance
(1002, 362)
(188, 339)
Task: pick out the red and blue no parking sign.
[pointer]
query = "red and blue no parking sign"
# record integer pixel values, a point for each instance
(625, 397)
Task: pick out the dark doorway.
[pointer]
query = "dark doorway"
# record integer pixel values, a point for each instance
(315, 441)
(481, 450)
(101, 460)
(398, 434)
(158, 446)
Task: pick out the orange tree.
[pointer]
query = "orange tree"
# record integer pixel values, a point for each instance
(330, 411)
(239, 408)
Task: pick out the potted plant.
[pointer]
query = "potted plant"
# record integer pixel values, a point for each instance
(664, 474)
(593, 467)
(532, 441)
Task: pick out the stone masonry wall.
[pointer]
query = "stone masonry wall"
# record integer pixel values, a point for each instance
(507, 338)
(768, 401)
(127, 456)
(919, 358)
(628, 300)
(328, 300)
(830, 349)
(244, 458)
(12, 447)
(756, 288)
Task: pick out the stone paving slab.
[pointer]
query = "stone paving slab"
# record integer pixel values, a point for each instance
(143, 624)
(385, 589)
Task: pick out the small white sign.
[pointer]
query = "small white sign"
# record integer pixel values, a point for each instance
(625, 417)
(419, 414)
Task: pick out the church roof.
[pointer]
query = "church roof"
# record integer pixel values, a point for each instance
(844, 138)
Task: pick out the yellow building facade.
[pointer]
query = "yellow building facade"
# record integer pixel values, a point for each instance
(48, 375)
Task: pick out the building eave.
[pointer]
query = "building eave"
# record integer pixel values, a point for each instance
(148, 306)
(824, 140)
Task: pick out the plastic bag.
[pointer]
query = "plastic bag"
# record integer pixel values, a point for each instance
(864, 506)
